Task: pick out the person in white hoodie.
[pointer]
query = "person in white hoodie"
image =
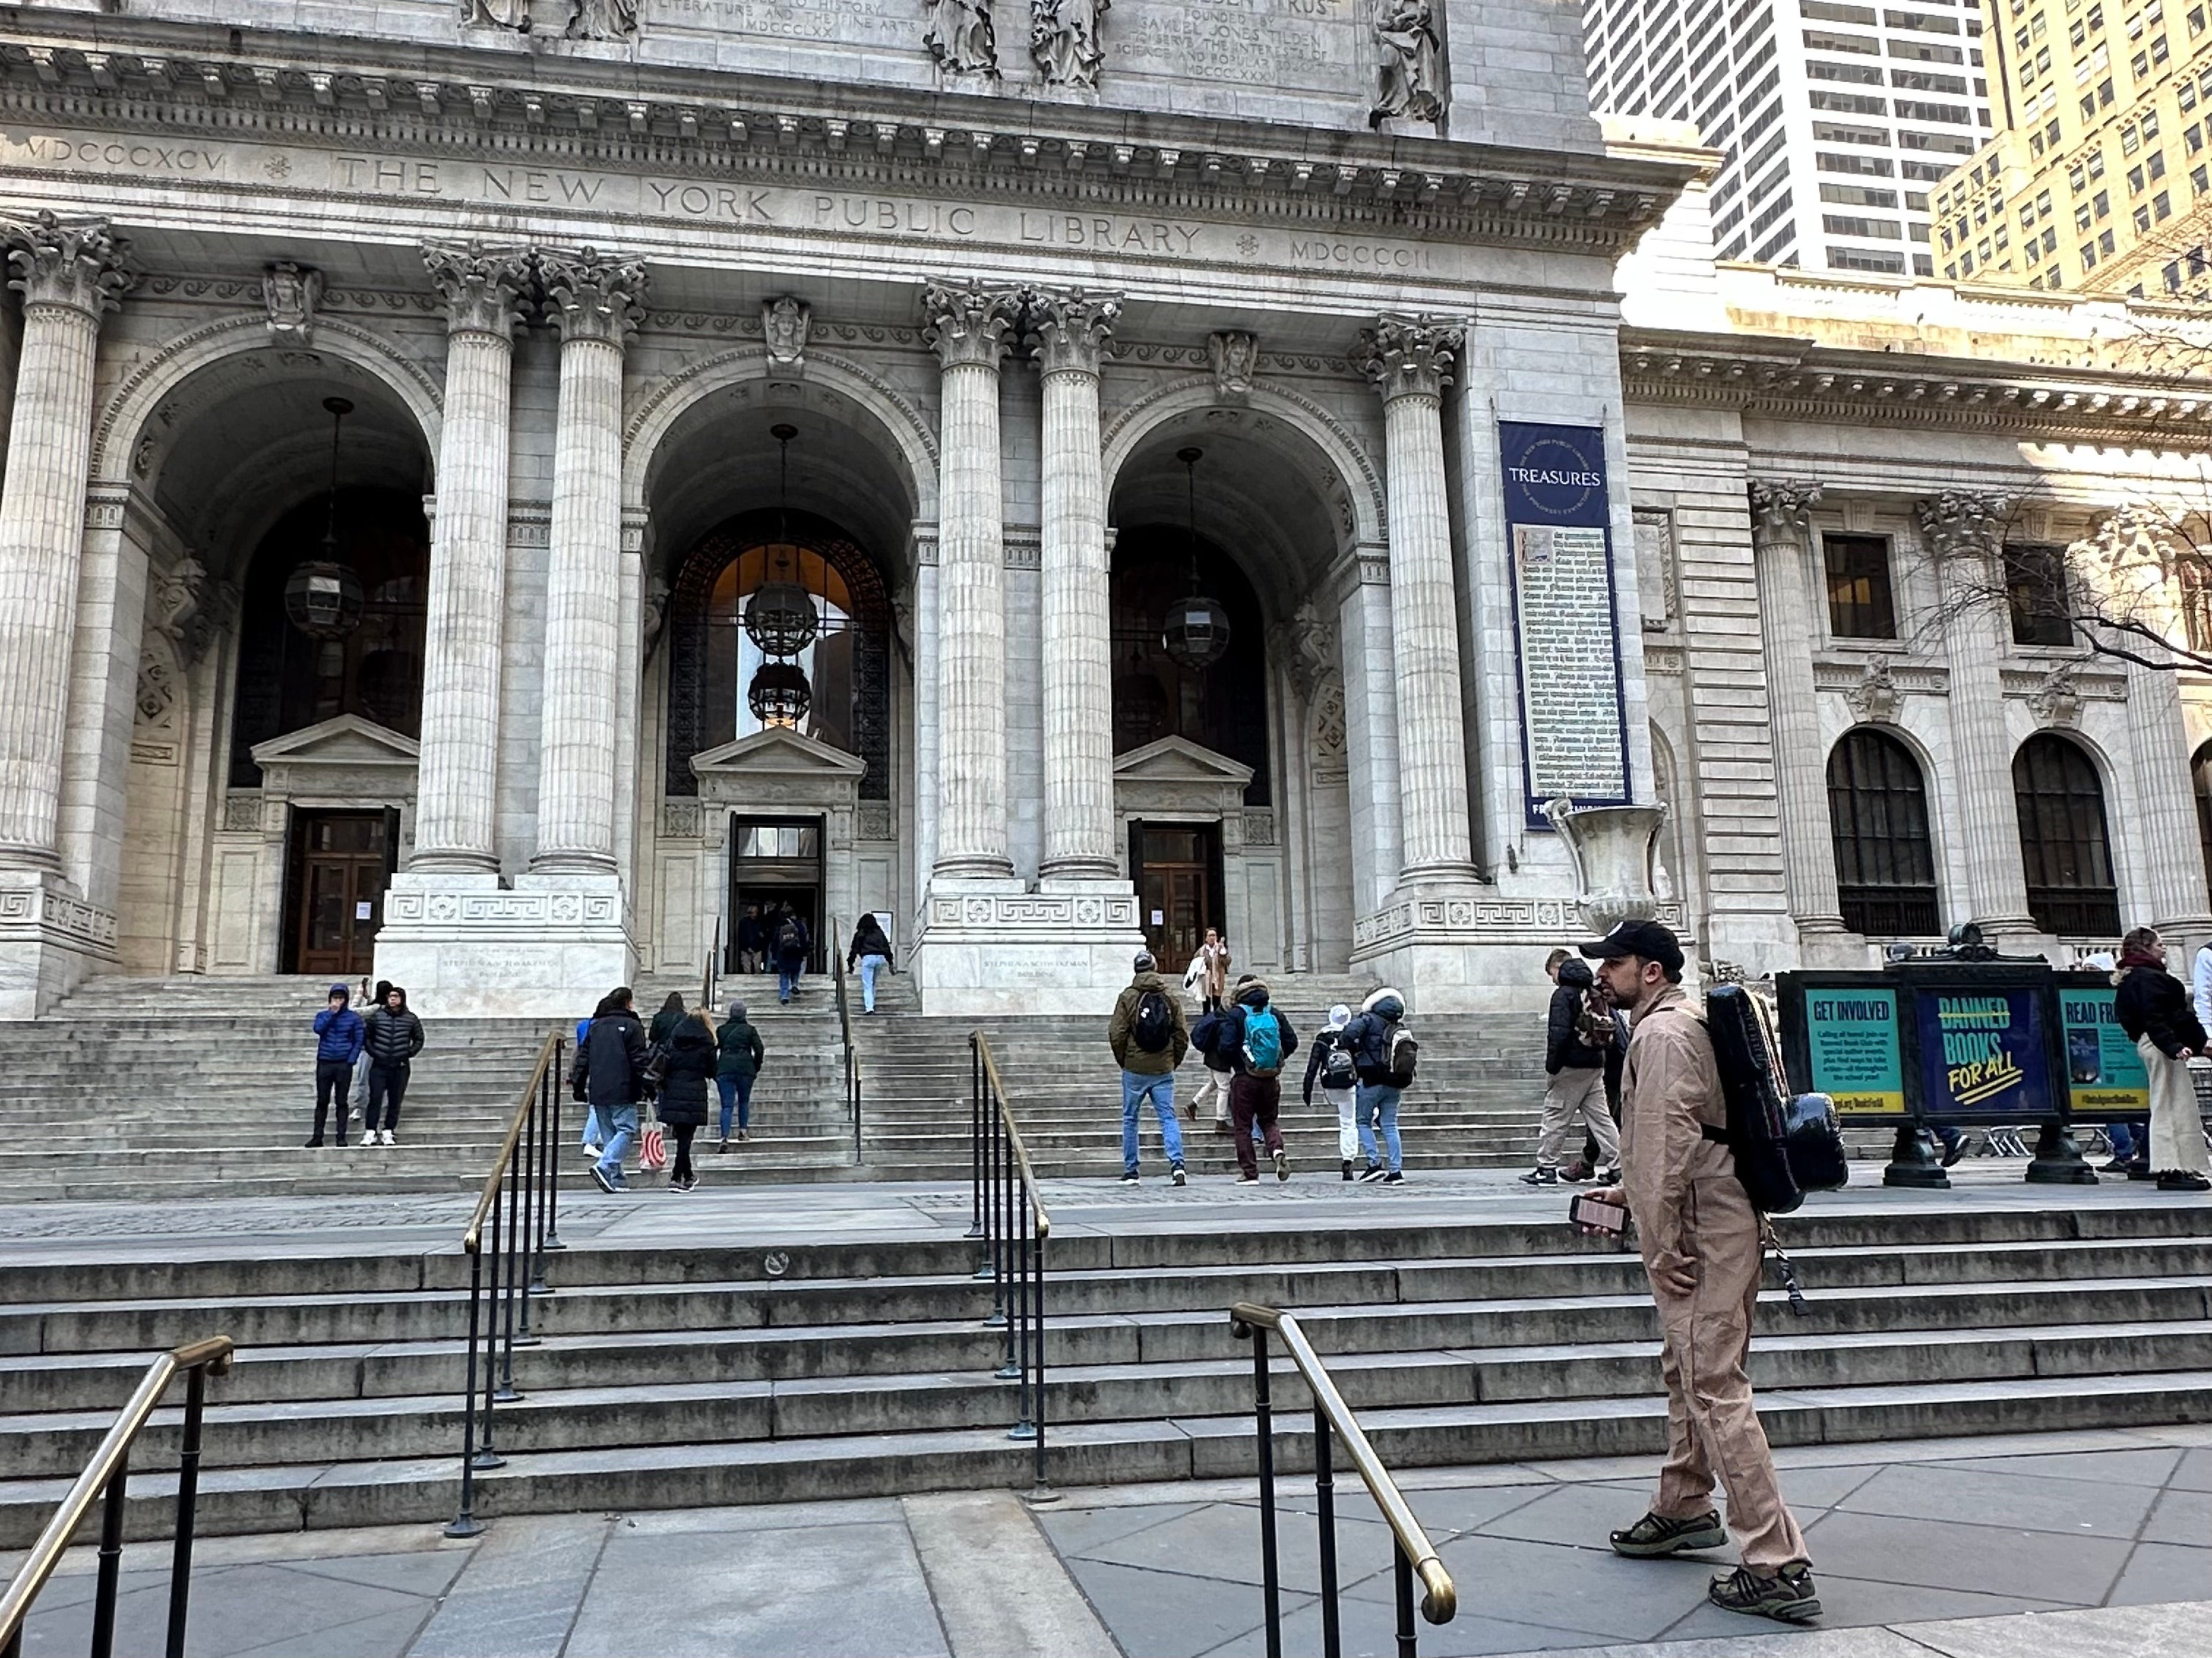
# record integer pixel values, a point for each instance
(1330, 1063)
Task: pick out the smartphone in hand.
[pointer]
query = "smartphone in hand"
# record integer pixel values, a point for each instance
(1588, 1213)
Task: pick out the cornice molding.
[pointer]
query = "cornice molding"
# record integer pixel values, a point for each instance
(1773, 375)
(142, 75)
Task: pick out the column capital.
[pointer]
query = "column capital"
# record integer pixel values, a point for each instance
(1409, 357)
(1069, 328)
(591, 295)
(481, 287)
(968, 323)
(1962, 521)
(1779, 509)
(79, 263)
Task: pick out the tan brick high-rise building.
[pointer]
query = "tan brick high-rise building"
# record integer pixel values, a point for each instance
(2096, 178)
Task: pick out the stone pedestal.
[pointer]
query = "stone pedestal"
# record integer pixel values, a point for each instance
(465, 947)
(989, 947)
(51, 940)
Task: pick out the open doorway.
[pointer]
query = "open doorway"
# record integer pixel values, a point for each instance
(776, 864)
(1176, 870)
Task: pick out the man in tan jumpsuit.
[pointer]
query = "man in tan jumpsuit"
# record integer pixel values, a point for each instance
(1701, 1240)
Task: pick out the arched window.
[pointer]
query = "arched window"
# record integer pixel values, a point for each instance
(2063, 840)
(1884, 863)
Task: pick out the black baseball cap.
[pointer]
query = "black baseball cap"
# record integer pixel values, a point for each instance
(1648, 939)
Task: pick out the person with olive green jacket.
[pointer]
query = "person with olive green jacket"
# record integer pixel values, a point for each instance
(734, 1071)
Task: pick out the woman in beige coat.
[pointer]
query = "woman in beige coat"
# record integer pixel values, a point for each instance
(1214, 953)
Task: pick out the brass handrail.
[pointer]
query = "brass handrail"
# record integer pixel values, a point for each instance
(107, 1463)
(472, 1239)
(1439, 1600)
(1014, 1135)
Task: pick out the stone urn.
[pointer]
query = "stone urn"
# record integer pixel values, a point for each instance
(1613, 849)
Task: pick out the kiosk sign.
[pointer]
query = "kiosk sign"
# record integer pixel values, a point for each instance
(1983, 1050)
(1851, 1040)
(2105, 1074)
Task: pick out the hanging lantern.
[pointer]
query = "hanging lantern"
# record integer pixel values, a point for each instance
(780, 617)
(322, 599)
(778, 694)
(1196, 634)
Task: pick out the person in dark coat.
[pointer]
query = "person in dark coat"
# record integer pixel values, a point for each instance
(682, 1099)
(789, 947)
(740, 1056)
(872, 951)
(1254, 1097)
(666, 1021)
(750, 938)
(2153, 1007)
(611, 1067)
(391, 1036)
(1577, 1068)
(339, 1035)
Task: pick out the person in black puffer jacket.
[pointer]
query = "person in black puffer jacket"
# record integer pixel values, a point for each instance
(1576, 1069)
(2153, 1007)
(391, 1037)
(693, 1054)
(610, 1077)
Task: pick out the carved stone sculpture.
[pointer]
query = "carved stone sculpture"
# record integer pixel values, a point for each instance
(2057, 700)
(960, 37)
(1406, 71)
(80, 263)
(1235, 354)
(173, 598)
(497, 14)
(289, 293)
(1064, 41)
(1876, 695)
(785, 324)
(1615, 849)
(602, 20)
(655, 612)
(1312, 646)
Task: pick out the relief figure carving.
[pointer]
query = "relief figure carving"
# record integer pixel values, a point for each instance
(1406, 72)
(960, 37)
(1064, 40)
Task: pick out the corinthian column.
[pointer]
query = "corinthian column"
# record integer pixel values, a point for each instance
(457, 785)
(1068, 330)
(968, 328)
(1780, 537)
(1962, 530)
(1409, 359)
(593, 301)
(68, 276)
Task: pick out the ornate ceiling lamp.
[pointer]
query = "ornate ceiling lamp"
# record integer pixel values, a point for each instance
(1197, 631)
(322, 597)
(780, 695)
(779, 617)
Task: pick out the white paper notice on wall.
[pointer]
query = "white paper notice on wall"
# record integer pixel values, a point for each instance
(362, 912)
(1159, 918)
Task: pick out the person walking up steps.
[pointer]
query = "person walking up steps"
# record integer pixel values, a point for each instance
(873, 952)
(790, 946)
(1213, 955)
(1148, 1038)
(611, 1065)
(392, 1037)
(1258, 1042)
(1330, 1062)
(1383, 1053)
(2153, 1007)
(339, 1035)
(1703, 1246)
(741, 1054)
(1577, 1040)
(664, 1022)
(681, 1101)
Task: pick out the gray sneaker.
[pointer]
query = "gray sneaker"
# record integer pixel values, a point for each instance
(1654, 1535)
(1788, 1596)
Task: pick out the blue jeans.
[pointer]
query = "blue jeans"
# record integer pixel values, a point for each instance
(871, 966)
(1378, 1112)
(2122, 1137)
(1160, 1089)
(593, 1132)
(738, 1091)
(622, 1119)
(786, 979)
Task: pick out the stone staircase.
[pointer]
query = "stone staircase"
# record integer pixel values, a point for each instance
(685, 1374)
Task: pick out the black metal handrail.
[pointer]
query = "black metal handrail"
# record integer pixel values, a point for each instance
(711, 976)
(519, 1201)
(107, 1475)
(1412, 1553)
(852, 1072)
(1013, 1225)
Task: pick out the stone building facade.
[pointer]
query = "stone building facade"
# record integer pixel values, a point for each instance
(407, 410)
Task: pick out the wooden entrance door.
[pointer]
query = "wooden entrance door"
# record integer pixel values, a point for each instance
(341, 859)
(1178, 890)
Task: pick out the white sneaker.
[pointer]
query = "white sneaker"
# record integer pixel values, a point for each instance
(368, 1137)
(388, 1140)
(593, 1152)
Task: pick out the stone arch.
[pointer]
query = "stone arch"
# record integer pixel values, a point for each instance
(665, 405)
(125, 448)
(1362, 500)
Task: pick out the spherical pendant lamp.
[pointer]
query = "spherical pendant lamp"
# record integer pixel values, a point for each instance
(322, 597)
(779, 617)
(780, 695)
(1196, 632)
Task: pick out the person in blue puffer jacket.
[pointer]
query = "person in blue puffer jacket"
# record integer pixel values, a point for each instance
(339, 1032)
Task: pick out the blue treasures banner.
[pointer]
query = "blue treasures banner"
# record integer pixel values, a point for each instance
(1574, 721)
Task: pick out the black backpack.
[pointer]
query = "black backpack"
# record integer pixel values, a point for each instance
(1155, 1024)
(789, 939)
(1784, 1146)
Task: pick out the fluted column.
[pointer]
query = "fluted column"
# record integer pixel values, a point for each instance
(1409, 359)
(968, 327)
(458, 775)
(1780, 542)
(593, 301)
(1962, 530)
(1068, 330)
(70, 275)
